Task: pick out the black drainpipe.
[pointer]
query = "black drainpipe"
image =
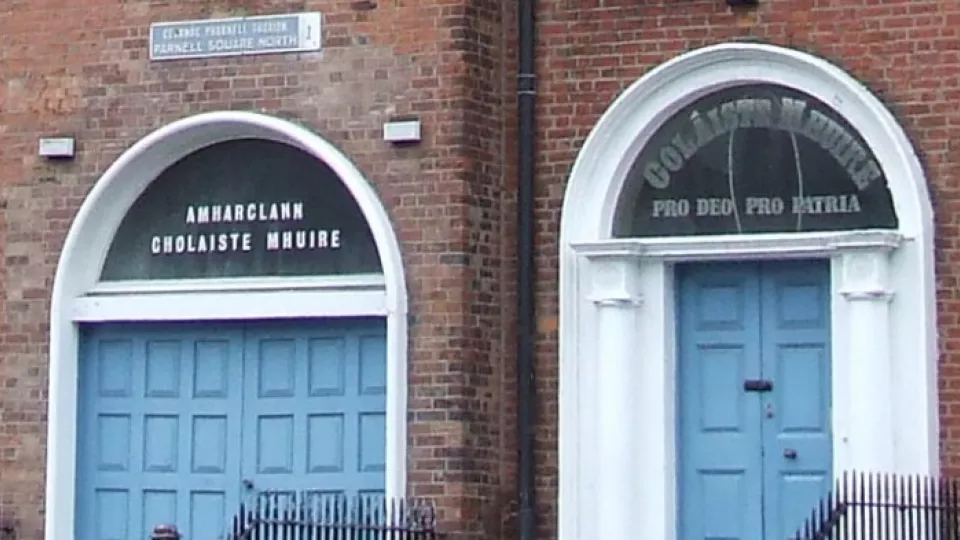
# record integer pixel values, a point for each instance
(526, 270)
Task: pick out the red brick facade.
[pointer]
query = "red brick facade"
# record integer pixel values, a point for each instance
(81, 68)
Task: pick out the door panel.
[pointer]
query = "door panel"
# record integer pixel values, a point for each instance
(172, 419)
(796, 350)
(157, 425)
(752, 464)
(720, 474)
(315, 399)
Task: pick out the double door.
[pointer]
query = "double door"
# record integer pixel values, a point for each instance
(755, 449)
(179, 423)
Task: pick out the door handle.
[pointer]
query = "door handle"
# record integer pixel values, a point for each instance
(790, 453)
(247, 483)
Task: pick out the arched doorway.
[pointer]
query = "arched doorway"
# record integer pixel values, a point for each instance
(740, 188)
(229, 300)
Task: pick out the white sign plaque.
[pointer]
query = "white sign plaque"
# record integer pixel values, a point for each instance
(238, 36)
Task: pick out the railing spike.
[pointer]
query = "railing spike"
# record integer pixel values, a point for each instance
(315, 515)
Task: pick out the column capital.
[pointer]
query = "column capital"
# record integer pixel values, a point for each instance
(614, 273)
(865, 273)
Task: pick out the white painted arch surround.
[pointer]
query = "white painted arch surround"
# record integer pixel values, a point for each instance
(617, 362)
(79, 297)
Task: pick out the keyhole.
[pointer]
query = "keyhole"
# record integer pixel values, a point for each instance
(770, 411)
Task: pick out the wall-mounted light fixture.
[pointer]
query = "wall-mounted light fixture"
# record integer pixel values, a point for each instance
(402, 131)
(57, 148)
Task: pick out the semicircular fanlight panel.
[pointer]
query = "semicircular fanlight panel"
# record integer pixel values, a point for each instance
(243, 208)
(754, 159)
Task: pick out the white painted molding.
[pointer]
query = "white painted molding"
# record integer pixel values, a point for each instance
(868, 296)
(587, 217)
(77, 294)
(865, 286)
(614, 248)
(618, 375)
(359, 282)
(230, 305)
(698, 248)
(615, 289)
(614, 275)
(866, 274)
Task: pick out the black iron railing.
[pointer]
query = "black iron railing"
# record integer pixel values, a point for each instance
(320, 516)
(286, 515)
(886, 507)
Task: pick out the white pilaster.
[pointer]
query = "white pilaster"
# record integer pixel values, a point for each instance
(867, 292)
(615, 291)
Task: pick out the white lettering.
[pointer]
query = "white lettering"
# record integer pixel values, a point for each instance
(239, 241)
(181, 33)
(656, 175)
(826, 204)
(269, 27)
(275, 42)
(303, 239)
(867, 174)
(201, 243)
(229, 44)
(791, 114)
(187, 47)
(715, 207)
(671, 208)
(671, 158)
(764, 206)
(245, 212)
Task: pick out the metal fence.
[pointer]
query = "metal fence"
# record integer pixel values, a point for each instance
(320, 516)
(886, 507)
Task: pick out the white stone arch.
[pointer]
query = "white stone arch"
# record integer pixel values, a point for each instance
(78, 296)
(616, 356)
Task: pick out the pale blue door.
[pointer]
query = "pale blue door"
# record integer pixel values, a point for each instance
(753, 397)
(797, 443)
(158, 426)
(178, 423)
(314, 406)
(719, 432)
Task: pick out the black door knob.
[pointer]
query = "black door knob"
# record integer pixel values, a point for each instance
(790, 453)
(247, 483)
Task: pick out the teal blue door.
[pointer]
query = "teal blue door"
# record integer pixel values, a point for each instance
(754, 439)
(178, 423)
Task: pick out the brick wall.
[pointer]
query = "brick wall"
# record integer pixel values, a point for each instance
(80, 67)
(906, 51)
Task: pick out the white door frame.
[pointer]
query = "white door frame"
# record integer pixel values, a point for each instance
(617, 330)
(79, 296)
